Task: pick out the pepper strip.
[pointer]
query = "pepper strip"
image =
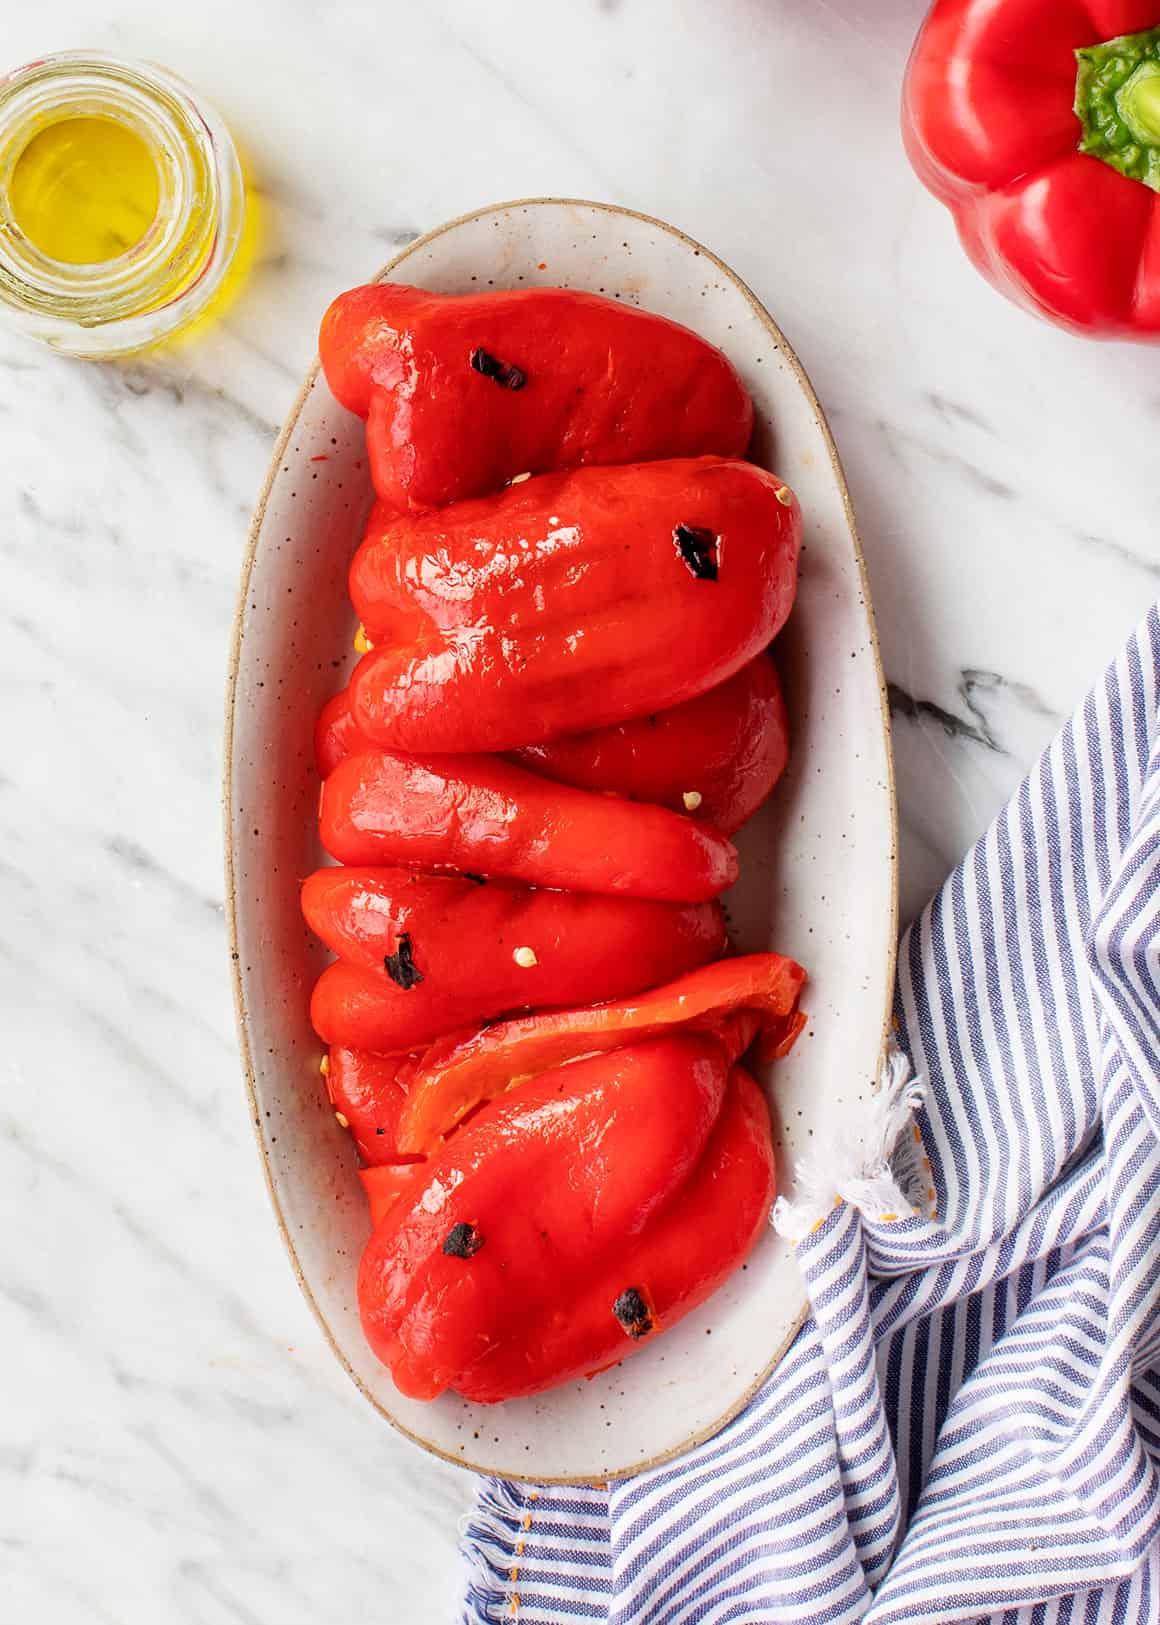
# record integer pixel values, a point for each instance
(486, 816)
(476, 951)
(568, 603)
(455, 1075)
(555, 1182)
(465, 392)
(717, 756)
(678, 1261)
(365, 1089)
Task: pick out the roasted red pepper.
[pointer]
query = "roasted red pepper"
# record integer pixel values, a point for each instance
(569, 602)
(337, 734)
(548, 1190)
(677, 1262)
(482, 815)
(716, 757)
(422, 955)
(454, 1076)
(463, 394)
(564, 1225)
(385, 1183)
(1038, 123)
(365, 1090)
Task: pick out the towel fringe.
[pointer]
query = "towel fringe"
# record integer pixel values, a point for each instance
(873, 1163)
(488, 1535)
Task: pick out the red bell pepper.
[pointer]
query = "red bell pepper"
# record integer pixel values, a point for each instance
(482, 815)
(716, 757)
(567, 1204)
(462, 394)
(422, 955)
(689, 1251)
(569, 602)
(455, 1075)
(566, 564)
(385, 1183)
(1038, 123)
(366, 1091)
(337, 734)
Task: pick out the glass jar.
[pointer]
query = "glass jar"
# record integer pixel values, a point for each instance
(146, 289)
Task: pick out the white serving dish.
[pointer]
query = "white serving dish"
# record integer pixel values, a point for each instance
(818, 865)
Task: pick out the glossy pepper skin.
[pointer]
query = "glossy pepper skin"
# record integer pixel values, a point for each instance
(386, 1183)
(725, 750)
(482, 815)
(568, 569)
(457, 1074)
(569, 602)
(678, 1262)
(366, 1090)
(458, 968)
(337, 734)
(1037, 192)
(462, 394)
(499, 1273)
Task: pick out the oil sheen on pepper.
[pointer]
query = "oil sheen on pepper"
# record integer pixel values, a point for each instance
(85, 190)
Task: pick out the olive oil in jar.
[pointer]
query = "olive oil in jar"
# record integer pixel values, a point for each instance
(121, 203)
(85, 190)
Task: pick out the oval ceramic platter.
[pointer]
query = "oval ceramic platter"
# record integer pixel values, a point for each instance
(818, 865)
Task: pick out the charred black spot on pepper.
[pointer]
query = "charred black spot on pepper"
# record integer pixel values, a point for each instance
(480, 880)
(401, 966)
(484, 362)
(698, 547)
(463, 1240)
(503, 373)
(633, 1313)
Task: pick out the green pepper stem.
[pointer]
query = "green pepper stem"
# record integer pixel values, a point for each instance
(1117, 102)
(1139, 103)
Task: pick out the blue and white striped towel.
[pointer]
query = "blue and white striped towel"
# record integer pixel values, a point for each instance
(968, 1428)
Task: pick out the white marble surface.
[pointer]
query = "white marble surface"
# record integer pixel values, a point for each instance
(177, 1446)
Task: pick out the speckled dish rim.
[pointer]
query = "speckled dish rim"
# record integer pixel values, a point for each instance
(240, 1010)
